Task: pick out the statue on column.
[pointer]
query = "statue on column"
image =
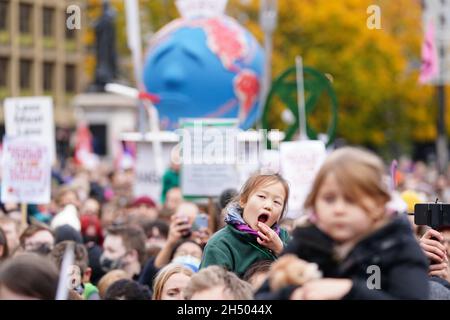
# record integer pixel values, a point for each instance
(105, 35)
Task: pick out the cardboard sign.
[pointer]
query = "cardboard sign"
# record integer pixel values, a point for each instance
(31, 118)
(300, 161)
(26, 172)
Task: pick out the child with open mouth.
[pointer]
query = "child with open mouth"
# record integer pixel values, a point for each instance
(252, 232)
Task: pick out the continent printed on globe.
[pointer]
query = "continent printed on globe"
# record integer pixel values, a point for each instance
(226, 41)
(204, 67)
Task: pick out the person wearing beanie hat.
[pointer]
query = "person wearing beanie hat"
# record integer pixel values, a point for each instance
(66, 232)
(143, 201)
(143, 209)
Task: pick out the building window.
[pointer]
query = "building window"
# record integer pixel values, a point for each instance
(48, 75)
(4, 72)
(70, 78)
(25, 74)
(3, 15)
(25, 20)
(47, 26)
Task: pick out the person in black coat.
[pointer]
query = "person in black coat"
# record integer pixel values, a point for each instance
(363, 250)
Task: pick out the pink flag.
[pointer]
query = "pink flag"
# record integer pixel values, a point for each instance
(430, 63)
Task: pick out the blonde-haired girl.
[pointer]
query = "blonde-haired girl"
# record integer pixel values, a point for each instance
(364, 250)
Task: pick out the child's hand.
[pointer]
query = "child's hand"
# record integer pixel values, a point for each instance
(323, 289)
(290, 270)
(269, 238)
(440, 270)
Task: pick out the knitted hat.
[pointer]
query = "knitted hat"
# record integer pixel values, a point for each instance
(143, 201)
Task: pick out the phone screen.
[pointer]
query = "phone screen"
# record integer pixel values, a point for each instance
(200, 222)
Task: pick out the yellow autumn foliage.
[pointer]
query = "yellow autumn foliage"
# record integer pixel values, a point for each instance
(375, 72)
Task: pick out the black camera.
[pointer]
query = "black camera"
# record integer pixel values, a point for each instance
(435, 215)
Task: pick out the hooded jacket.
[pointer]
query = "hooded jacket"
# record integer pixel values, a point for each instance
(236, 250)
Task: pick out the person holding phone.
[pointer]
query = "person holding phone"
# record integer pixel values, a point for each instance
(200, 229)
(180, 230)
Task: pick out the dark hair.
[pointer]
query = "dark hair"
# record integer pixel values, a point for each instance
(30, 275)
(81, 258)
(31, 230)
(159, 224)
(226, 196)
(126, 289)
(4, 243)
(261, 266)
(179, 243)
(260, 180)
(133, 238)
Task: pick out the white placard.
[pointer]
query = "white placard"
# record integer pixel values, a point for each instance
(148, 182)
(300, 161)
(31, 118)
(208, 180)
(209, 154)
(270, 162)
(26, 171)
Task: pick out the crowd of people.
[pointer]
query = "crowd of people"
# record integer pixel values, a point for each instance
(355, 240)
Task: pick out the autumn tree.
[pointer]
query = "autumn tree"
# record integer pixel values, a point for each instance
(374, 72)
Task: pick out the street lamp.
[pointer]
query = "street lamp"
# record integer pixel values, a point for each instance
(268, 22)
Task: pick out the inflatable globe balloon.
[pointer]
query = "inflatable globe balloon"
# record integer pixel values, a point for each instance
(204, 68)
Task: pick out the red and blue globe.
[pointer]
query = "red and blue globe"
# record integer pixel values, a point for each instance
(204, 67)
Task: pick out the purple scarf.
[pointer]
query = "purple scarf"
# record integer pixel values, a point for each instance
(234, 218)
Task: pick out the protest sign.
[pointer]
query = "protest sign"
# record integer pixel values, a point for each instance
(209, 152)
(148, 180)
(26, 171)
(300, 161)
(31, 118)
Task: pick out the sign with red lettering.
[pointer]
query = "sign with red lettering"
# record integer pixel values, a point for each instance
(31, 118)
(26, 171)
